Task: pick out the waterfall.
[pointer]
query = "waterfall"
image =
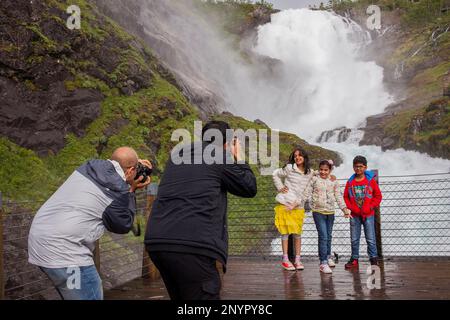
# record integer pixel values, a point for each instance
(306, 75)
(325, 84)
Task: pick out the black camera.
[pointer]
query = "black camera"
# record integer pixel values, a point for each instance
(143, 171)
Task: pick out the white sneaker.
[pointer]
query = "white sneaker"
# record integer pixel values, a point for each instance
(299, 266)
(325, 268)
(288, 266)
(331, 263)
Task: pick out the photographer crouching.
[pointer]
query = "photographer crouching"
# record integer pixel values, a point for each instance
(98, 195)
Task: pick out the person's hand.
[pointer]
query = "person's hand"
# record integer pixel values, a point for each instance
(291, 206)
(347, 213)
(284, 190)
(235, 149)
(137, 184)
(146, 163)
(333, 178)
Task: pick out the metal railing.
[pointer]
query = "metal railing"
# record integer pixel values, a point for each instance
(415, 221)
(120, 258)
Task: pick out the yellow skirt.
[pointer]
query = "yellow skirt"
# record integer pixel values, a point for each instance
(289, 221)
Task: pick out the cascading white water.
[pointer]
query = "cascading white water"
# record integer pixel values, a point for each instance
(390, 162)
(315, 81)
(323, 83)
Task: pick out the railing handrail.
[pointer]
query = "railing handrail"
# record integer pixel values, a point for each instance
(259, 243)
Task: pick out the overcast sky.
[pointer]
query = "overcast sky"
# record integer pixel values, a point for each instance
(286, 4)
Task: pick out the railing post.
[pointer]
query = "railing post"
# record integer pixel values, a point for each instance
(97, 255)
(2, 276)
(378, 222)
(291, 251)
(148, 268)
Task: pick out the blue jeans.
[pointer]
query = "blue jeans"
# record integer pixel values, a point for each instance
(369, 232)
(324, 225)
(77, 283)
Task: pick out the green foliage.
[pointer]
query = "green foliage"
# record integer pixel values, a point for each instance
(125, 120)
(144, 120)
(398, 125)
(23, 175)
(252, 219)
(414, 13)
(129, 58)
(144, 116)
(264, 3)
(428, 127)
(46, 43)
(424, 11)
(232, 14)
(87, 82)
(90, 26)
(30, 85)
(428, 82)
(287, 141)
(7, 47)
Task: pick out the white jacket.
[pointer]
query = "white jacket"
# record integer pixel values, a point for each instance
(94, 198)
(296, 181)
(324, 194)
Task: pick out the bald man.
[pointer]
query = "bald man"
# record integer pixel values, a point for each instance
(98, 195)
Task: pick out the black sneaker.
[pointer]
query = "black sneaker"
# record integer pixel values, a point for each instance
(374, 261)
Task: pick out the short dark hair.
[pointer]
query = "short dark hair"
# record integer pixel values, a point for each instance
(222, 126)
(360, 159)
(326, 163)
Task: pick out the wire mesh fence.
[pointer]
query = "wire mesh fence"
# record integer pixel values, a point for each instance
(415, 221)
(122, 257)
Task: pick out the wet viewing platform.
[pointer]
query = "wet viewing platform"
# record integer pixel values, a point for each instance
(258, 279)
(413, 236)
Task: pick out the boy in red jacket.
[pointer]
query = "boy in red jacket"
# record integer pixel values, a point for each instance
(362, 195)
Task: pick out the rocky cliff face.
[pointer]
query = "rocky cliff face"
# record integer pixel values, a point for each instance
(51, 77)
(425, 130)
(71, 95)
(338, 135)
(158, 23)
(185, 33)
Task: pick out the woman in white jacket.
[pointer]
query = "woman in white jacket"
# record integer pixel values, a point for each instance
(291, 181)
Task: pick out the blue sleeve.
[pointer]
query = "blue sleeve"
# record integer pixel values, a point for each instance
(118, 217)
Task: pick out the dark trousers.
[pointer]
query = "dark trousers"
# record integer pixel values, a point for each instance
(188, 276)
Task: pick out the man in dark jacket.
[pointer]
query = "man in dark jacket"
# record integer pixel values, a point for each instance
(98, 195)
(187, 230)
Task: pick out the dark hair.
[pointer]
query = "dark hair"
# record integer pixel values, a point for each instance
(326, 163)
(304, 154)
(360, 159)
(222, 126)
